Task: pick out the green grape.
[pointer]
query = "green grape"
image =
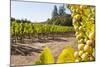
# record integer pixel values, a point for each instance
(79, 36)
(92, 58)
(80, 28)
(93, 53)
(78, 59)
(76, 54)
(88, 49)
(80, 46)
(89, 42)
(81, 52)
(91, 36)
(84, 25)
(85, 57)
(81, 41)
(77, 17)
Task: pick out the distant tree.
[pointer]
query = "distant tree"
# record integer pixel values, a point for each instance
(12, 19)
(61, 10)
(64, 20)
(18, 21)
(25, 21)
(55, 11)
(48, 21)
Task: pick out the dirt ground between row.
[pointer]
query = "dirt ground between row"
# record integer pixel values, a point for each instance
(55, 47)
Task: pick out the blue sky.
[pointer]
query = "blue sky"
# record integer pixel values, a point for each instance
(33, 11)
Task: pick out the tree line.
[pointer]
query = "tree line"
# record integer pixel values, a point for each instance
(60, 17)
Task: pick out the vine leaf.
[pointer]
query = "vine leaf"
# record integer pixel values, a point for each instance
(46, 57)
(66, 56)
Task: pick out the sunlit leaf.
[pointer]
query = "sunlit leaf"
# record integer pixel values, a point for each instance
(66, 56)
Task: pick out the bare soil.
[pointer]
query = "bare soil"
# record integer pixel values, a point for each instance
(55, 46)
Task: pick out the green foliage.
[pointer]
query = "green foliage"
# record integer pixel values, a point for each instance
(55, 12)
(61, 10)
(66, 56)
(64, 20)
(35, 29)
(60, 17)
(46, 57)
(38, 62)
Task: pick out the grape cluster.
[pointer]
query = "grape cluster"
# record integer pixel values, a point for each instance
(84, 25)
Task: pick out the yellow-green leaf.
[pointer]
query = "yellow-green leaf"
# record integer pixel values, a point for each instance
(66, 56)
(38, 62)
(46, 57)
